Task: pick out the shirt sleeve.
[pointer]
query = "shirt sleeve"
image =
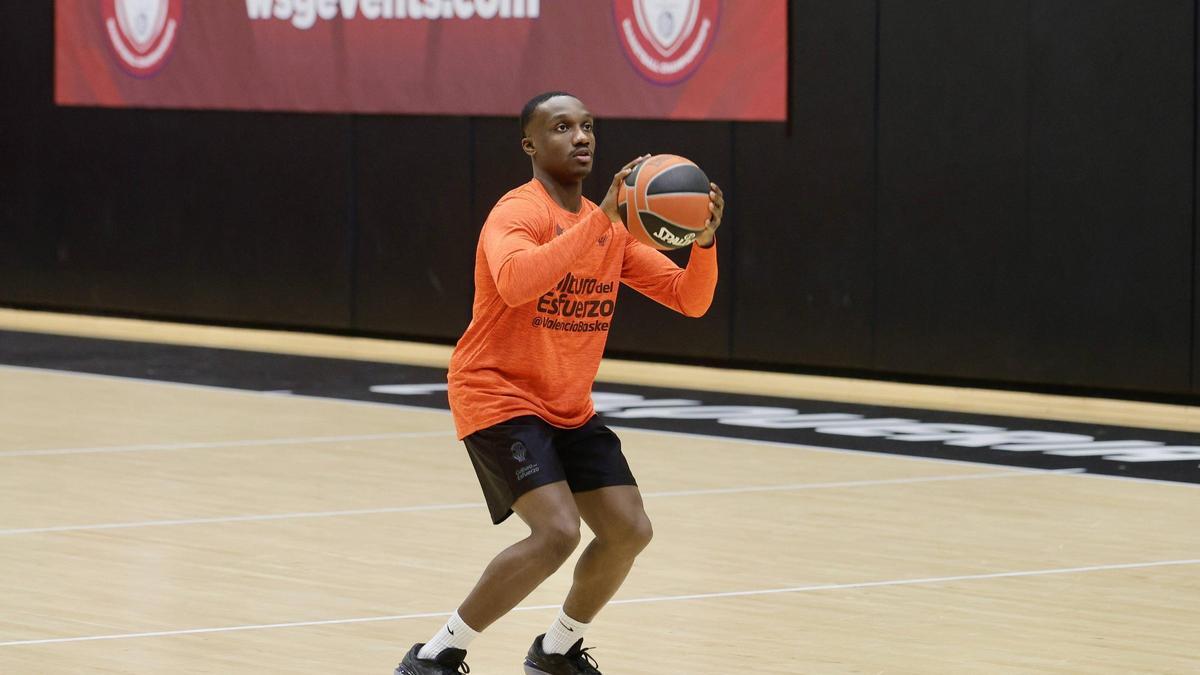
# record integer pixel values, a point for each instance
(523, 268)
(688, 291)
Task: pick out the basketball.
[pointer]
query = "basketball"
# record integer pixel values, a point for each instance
(669, 197)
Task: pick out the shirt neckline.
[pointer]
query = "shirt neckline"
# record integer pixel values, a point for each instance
(583, 201)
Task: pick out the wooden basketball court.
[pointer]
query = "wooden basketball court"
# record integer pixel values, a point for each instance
(154, 527)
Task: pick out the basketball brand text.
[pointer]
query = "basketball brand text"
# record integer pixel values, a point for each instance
(667, 237)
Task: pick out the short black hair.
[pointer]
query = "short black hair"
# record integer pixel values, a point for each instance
(534, 102)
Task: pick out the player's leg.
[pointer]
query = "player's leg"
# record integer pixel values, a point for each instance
(618, 518)
(553, 521)
(622, 530)
(608, 499)
(509, 578)
(519, 470)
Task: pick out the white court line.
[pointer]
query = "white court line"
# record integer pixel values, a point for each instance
(241, 519)
(802, 447)
(632, 601)
(447, 507)
(305, 440)
(218, 389)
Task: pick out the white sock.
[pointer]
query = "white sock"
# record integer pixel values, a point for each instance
(456, 633)
(564, 633)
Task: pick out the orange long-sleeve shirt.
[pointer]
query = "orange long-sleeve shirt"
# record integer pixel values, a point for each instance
(545, 292)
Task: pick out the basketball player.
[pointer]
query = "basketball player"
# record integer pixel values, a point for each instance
(546, 274)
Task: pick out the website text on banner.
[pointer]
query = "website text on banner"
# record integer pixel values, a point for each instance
(668, 59)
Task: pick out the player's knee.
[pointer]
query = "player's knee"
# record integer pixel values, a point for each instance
(634, 534)
(559, 538)
(640, 533)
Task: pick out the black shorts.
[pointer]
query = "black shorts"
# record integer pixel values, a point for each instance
(516, 456)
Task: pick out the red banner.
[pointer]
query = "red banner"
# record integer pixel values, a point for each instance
(677, 59)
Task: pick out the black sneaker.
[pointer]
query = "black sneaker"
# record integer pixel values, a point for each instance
(449, 662)
(576, 661)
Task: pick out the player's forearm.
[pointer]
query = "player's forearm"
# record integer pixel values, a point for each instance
(524, 275)
(697, 284)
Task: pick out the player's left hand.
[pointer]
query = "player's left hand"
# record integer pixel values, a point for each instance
(716, 208)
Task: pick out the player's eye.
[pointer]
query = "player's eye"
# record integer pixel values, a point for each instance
(561, 126)
(587, 126)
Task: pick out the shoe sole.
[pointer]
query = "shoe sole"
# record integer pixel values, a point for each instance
(531, 670)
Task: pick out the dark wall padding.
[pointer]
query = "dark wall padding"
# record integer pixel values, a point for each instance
(1036, 192)
(805, 198)
(1111, 145)
(186, 214)
(952, 183)
(976, 190)
(416, 226)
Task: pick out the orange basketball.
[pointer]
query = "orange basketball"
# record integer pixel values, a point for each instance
(669, 196)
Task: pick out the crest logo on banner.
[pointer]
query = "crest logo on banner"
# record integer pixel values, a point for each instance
(142, 33)
(666, 40)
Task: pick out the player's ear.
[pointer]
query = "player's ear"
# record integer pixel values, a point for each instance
(527, 146)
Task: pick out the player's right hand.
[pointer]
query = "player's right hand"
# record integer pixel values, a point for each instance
(609, 205)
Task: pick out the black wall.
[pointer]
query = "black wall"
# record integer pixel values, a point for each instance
(1035, 180)
(978, 190)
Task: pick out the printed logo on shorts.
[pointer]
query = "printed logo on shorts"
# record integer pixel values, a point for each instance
(521, 453)
(142, 33)
(666, 40)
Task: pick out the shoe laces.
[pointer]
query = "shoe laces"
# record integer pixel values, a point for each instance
(460, 667)
(586, 663)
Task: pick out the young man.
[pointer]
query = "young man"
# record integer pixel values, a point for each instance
(546, 274)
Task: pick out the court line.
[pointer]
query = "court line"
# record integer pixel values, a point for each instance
(304, 440)
(240, 519)
(682, 434)
(217, 388)
(791, 487)
(632, 601)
